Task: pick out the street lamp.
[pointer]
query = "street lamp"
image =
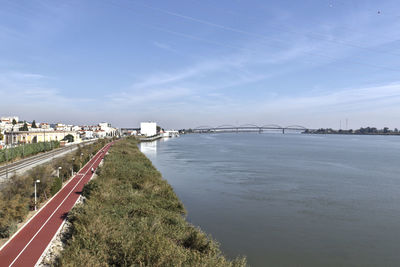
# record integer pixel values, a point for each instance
(6, 162)
(58, 171)
(72, 167)
(36, 182)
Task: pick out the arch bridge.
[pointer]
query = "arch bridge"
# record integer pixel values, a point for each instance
(249, 128)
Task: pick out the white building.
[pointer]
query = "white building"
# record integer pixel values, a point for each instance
(63, 127)
(76, 128)
(9, 119)
(88, 134)
(106, 127)
(170, 133)
(44, 125)
(148, 128)
(100, 134)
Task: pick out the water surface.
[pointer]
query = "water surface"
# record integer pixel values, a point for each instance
(290, 200)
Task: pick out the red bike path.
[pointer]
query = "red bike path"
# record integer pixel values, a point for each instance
(26, 247)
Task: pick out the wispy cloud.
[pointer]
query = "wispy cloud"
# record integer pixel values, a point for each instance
(147, 98)
(343, 100)
(165, 47)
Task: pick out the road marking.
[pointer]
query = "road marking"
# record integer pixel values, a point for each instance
(16, 258)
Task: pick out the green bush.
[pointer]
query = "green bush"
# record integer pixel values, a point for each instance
(57, 184)
(89, 187)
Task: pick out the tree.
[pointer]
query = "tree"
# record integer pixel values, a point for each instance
(69, 138)
(24, 128)
(1, 136)
(34, 124)
(14, 122)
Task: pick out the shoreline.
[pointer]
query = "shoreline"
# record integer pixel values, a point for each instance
(358, 134)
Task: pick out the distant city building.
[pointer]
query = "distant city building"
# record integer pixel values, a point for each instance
(88, 134)
(46, 132)
(170, 133)
(148, 128)
(63, 127)
(106, 127)
(30, 137)
(76, 128)
(129, 131)
(44, 125)
(9, 119)
(100, 134)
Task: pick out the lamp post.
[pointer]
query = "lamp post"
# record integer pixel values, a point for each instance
(58, 171)
(72, 167)
(36, 182)
(6, 162)
(58, 175)
(23, 148)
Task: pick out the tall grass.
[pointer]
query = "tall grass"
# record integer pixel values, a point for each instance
(132, 217)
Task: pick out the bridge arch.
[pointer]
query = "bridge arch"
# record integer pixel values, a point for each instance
(203, 127)
(272, 126)
(295, 127)
(249, 125)
(226, 126)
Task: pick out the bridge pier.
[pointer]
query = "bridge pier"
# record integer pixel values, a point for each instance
(283, 130)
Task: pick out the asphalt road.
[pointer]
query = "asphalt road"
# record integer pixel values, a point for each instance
(26, 246)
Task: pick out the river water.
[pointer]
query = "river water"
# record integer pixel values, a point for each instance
(290, 199)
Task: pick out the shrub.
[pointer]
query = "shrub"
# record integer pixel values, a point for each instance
(57, 184)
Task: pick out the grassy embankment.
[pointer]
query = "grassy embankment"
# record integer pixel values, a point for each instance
(132, 217)
(17, 194)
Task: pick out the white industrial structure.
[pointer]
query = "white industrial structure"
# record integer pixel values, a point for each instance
(148, 128)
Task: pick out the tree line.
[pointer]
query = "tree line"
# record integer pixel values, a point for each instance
(366, 130)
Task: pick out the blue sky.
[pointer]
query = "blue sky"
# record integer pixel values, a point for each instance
(185, 63)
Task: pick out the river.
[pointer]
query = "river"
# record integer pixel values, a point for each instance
(290, 199)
